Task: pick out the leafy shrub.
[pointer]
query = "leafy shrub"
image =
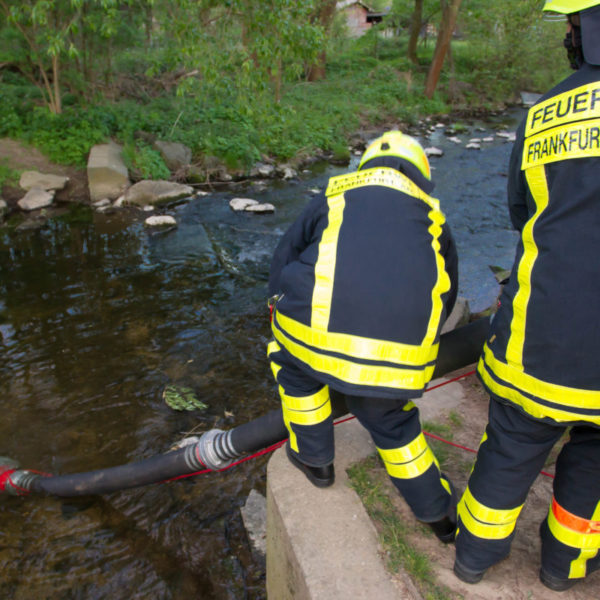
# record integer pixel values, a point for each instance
(8, 175)
(145, 162)
(65, 138)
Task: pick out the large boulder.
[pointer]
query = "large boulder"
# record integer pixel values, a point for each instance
(156, 192)
(107, 174)
(35, 199)
(176, 156)
(45, 181)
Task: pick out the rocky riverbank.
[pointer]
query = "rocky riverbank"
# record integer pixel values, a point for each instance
(45, 189)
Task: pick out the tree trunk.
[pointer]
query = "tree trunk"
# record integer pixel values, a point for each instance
(279, 80)
(56, 84)
(148, 23)
(441, 47)
(324, 16)
(416, 23)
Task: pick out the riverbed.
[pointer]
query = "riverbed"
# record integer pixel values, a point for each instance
(99, 314)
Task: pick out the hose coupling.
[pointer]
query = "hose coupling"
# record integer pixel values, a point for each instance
(15, 481)
(214, 449)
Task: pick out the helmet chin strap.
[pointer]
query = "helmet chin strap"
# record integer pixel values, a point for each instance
(572, 43)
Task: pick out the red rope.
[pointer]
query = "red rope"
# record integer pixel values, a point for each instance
(339, 422)
(450, 381)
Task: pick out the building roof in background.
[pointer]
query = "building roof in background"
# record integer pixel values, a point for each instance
(346, 3)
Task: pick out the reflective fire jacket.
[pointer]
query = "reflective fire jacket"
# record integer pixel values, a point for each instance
(543, 350)
(365, 278)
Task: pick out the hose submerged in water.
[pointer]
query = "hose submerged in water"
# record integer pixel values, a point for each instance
(216, 449)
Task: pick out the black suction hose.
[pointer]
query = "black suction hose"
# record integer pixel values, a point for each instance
(216, 449)
(458, 348)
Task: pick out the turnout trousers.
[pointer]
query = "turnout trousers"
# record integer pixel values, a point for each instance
(393, 425)
(512, 453)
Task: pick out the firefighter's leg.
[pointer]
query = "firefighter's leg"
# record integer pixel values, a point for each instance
(395, 428)
(307, 416)
(571, 532)
(511, 455)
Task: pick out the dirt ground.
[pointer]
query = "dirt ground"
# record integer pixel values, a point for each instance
(20, 157)
(463, 407)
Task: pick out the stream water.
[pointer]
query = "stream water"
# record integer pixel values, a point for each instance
(98, 315)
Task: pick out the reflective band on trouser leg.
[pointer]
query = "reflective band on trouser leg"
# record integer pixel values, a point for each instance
(574, 523)
(414, 471)
(485, 522)
(572, 530)
(410, 461)
(575, 532)
(304, 411)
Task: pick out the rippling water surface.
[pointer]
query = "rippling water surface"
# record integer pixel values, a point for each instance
(99, 314)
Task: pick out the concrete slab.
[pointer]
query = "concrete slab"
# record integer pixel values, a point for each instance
(321, 543)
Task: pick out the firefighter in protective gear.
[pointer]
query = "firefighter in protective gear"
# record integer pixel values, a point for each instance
(540, 363)
(362, 282)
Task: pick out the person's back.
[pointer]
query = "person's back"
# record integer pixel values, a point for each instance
(368, 271)
(540, 363)
(544, 329)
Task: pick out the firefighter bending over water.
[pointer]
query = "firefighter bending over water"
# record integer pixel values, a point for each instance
(541, 363)
(362, 282)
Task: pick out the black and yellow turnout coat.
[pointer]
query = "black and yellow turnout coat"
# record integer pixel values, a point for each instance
(543, 353)
(365, 278)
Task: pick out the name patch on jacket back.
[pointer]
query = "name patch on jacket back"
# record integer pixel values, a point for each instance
(563, 127)
(378, 176)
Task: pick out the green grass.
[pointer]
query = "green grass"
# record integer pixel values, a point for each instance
(369, 83)
(8, 175)
(366, 481)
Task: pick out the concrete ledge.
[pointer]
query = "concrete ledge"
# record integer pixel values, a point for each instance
(321, 543)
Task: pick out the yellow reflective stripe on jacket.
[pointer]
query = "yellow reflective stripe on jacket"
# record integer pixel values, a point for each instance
(442, 283)
(536, 179)
(359, 374)
(273, 347)
(535, 409)
(578, 104)
(568, 397)
(355, 346)
(382, 176)
(409, 461)
(585, 541)
(485, 522)
(325, 265)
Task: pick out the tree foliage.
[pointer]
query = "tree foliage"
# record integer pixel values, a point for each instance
(246, 46)
(236, 79)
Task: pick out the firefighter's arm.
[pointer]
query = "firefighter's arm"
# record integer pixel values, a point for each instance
(295, 240)
(517, 186)
(448, 249)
